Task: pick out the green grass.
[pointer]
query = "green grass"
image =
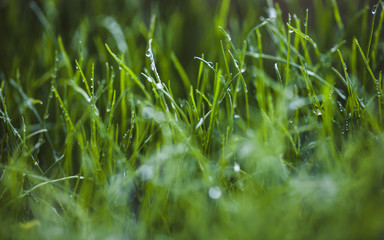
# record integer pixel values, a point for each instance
(191, 120)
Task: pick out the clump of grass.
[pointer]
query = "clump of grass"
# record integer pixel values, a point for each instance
(272, 133)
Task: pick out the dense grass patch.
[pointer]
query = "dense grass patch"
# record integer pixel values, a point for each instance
(191, 120)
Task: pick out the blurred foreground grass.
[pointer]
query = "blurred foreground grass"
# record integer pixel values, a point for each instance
(191, 120)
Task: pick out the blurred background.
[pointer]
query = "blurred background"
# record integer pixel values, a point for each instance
(30, 28)
(40, 41)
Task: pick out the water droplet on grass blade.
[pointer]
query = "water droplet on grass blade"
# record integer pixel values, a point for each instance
(374, 9)
(214, 192)
(291, 31)
(236, 63)
(148, 53)
(228, 37)
(317, 112)
(159, 86)
(147, 77)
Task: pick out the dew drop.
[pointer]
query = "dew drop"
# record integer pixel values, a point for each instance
(291, 31)
(236, 116)
(317, 112)
(148, 53)
(374, 8)
(159, 86)
(237, 64)
(214, 192)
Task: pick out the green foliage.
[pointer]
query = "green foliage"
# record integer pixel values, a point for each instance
(191, 120)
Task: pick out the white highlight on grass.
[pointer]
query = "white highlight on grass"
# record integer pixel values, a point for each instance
(236, 167)
(296, 104)
(115, 29)
(272, 12)
(145, 172)
(199, 123)
(317, 112)
(147, 112)
(159, 86)
(214, 192)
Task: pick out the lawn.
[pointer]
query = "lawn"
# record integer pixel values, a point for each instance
(191, 119)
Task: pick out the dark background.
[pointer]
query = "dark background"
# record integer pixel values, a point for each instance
(184, 23)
